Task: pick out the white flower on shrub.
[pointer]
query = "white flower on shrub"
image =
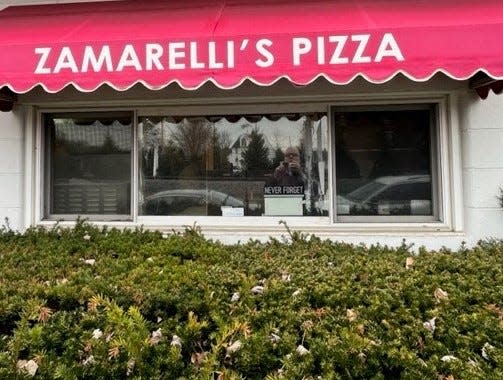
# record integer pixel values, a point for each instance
(440, 295)
(423, 363)
(88, 361)
(87, 237)
(257, 289)
(286, 277)
(97, 334)
(409, 262)
(130, 366)
(159, 319)
(473, 363)
(235, 297)
(448, 358)
(296, 293)
(362, 357)
(176, 342)
(155, 337)
(150, 259)
(301, 350)
(234, 347)
(274, 338)
(486, 350)
(90, 261)
(351, 315)
(27, 366)
(430, 325)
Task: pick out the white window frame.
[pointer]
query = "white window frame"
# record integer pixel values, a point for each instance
(44, 163)
(446, 167)
(251, 222)
(436, 215)
(447, 146)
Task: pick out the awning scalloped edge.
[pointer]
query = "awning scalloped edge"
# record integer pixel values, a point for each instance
(252, 80)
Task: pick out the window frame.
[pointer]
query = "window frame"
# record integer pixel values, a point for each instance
(231, 109)
(434, 136)
(448, 165)
(46, 178)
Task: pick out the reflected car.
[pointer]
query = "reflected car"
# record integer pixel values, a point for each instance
(389, 195)
(188, 202)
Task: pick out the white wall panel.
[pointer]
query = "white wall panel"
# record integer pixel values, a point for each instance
(11, 127)
(11, 158)
(11, 168)
(482, 150)
(11, 192)
(11, 217)
(484, 223)
(482, 187)
(481, 113)
(415, 241)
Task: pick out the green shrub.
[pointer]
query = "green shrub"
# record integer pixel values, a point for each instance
(89, 303)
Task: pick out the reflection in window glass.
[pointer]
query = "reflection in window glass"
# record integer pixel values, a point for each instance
(383, 162)
(233, 165)
(90, 163)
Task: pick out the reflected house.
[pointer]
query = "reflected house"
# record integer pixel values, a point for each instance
(239, 146)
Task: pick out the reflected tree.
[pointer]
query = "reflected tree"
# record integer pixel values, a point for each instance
(221, 145)
(204, 148)
(255, 157)
(192, 136)
(278, 157)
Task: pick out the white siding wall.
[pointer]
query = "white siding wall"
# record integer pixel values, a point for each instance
(480, 123)
(11, 168)
(482, 146)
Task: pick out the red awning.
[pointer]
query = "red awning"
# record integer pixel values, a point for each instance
(228, 41)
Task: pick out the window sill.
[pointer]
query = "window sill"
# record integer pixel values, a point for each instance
(320, 226)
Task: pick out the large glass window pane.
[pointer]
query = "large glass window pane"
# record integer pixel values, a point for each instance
(234, 165)
(89, 163)
(383, 161)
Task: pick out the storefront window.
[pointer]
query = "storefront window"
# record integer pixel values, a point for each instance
(383, 159)
(245, 165)
(89, 164)
(234, 165)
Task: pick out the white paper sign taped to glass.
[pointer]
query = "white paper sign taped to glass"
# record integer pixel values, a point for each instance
(283, 200)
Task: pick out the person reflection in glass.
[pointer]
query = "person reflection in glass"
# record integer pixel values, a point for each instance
(289, 172)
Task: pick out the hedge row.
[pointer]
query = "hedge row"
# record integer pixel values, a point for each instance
(88, 303)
